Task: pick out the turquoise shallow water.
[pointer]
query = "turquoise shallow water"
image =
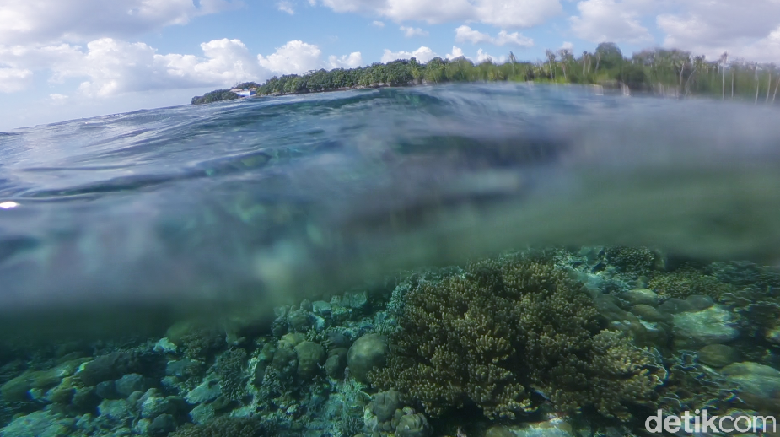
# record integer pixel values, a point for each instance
(270, 197)
(241, 268)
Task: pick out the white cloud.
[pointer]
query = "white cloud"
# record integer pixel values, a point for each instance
(483, 56)
(227, 61)
(378, 23)
(295, 57)
(423, 54)
(714, 26)
(567, 45)
(707, 27)
(285, 6)
(456, 53)
(108, 67)
(58, 99)
(611, 20)
(353, 60)
(115, 67)
(14, 79)
(411, 31)
(501, 13)
(520, 13)
(467, 34)
(46, 21)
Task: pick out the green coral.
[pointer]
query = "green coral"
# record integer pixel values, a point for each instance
(687, 282)
(224, 427)
(505, 327)
(198, 340)
(639, 260)
(230, 368)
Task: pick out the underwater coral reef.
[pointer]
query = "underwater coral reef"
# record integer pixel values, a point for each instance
(566, 341)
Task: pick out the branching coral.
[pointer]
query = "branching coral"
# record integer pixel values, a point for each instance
(230, 368)
(487, 336)
(639, 260)
(686, 282)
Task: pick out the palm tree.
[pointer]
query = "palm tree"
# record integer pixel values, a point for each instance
(585, 61)
(724, 58)
(512, 59)
(551, 58)
(698, 64)
(755, 70)
(566, 56)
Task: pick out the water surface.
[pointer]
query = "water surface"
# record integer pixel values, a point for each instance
(261, 200)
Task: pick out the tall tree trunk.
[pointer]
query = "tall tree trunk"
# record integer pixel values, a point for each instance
(687, 81)
(724, 82)
(768, 85)
(732, 84)
(757, 83)
(775, 93)
(598, 61)
(682, 68)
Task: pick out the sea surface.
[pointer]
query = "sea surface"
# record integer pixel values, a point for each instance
(264, 199)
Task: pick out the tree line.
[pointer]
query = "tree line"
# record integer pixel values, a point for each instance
(662, 71)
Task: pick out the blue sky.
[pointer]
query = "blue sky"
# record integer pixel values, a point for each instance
(64, 59)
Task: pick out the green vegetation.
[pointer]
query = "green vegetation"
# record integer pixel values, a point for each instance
(214, 96)
(662, 71)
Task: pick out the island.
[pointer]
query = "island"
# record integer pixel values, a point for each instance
(667, 72)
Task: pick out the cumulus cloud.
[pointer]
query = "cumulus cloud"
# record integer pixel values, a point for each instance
(285, 6)
(14, 79)
(46, 21)
(295, 57)
(411, 31)
(714, 26)
(610, 20)
(378, 23)
(456, 53)
(567, 45)
(707, 27)
(108, 67)
(501, 13)
(520, 13)
(467, 34)
(37, 57)
(483, 56)
(423, 54)
(353, 60)
(116, 67)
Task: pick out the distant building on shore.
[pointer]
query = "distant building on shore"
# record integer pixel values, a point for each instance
(244, 93)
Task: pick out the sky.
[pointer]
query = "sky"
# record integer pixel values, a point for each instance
(68, 59)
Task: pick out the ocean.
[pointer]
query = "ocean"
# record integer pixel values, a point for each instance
(263, 218)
